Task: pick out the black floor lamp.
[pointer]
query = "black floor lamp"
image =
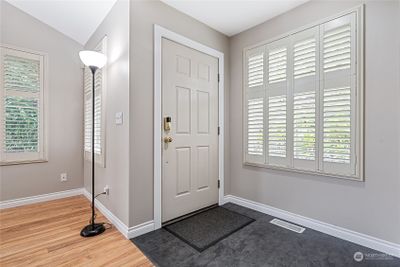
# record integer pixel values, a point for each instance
(94, 60)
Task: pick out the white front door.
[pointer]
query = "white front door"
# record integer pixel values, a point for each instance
(190, 147)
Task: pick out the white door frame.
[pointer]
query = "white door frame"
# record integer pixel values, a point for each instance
(159, 33)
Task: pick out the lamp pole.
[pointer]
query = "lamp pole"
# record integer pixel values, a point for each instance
(93, 69)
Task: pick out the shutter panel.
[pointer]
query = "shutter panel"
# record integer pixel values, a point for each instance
(277, 63)
(337, 128)
(255, 70)
(97, 111)
(277, 95)
(336, 44)
(305, 100)
(21, 124)
(88, 122)
(88, 111)
(22, 105)
(304, 58)
(277, 126)
(338, 85)
(255, 106)
(255, 126)
(304, 126)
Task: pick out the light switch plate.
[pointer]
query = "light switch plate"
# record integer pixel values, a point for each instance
(119, 118)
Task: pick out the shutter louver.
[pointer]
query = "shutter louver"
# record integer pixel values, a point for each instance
(256, 70)
(304, 58)
(337, 47)
(277, 126)
(337, 128)
(255, 127)
(277, 62)
(21, 104)
(304, 126)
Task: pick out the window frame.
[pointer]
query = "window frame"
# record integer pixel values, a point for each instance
(359, 99)
(100, 159)
(44, 110)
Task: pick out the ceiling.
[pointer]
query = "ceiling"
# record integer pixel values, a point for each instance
(76, 19)
(79, 19)
(233, 16)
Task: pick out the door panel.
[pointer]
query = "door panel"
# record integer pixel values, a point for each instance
(190, 160)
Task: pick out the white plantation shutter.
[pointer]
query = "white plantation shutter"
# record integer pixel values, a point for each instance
(277, 126)
(22, 117)
(255, 106)
(338, 89)
(337, 125)
(88, 111)
(303, 100)
(255, 128)
(256, 70)
(99, 119)
(277, 95)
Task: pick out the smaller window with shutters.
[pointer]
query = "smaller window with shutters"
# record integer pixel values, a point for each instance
(99, 115)
(23, 96)
(303, 99)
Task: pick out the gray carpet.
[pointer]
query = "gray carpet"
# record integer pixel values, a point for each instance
(260, 244)
(208, 227)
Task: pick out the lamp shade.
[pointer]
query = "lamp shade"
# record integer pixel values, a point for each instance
(93, 58)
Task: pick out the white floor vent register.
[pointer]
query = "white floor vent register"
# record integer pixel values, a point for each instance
(289, 226)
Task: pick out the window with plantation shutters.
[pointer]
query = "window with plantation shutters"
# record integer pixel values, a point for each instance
(303, 100)
(22, 104)
(99, 120)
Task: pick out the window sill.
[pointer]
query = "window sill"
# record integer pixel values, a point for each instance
(281, 168)
(8, 163)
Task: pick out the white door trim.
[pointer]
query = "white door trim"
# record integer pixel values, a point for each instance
(159, 33)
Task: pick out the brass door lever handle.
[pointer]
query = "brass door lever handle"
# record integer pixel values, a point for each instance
(168, 139)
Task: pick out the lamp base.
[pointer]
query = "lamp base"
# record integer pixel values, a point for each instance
(92, 230)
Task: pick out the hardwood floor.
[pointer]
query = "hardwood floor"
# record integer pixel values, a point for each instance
(47, 234)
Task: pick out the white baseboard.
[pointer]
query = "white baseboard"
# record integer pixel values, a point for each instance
(127, 232)
(333, 230)
(40, 198)
(141, 229)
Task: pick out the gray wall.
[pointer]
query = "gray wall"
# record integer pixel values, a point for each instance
(65, 108)
(116, 171)
(143, 15)
(371, 207)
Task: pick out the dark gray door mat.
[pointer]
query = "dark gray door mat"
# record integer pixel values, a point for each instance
(205, 229)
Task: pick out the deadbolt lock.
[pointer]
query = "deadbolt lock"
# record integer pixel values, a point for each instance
(167, 139)
(167, 124)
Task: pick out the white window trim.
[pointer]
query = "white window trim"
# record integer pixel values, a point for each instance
(359, 133)
(100, 159)
(45, 102)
